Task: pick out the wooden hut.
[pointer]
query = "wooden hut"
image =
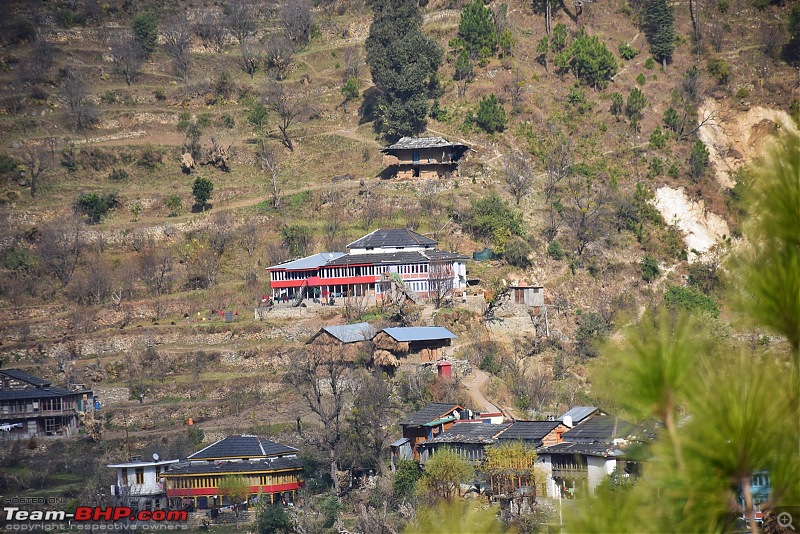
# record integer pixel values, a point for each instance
(427, 340)
(354, 340)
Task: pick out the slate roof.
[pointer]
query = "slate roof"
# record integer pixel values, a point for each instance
(308, 263)
(393, 237)
(399, 443)
(395, 258)
(579, 413)
(25, 377)
(600, 429)
(409, 143)
(431, 412)
(242, 447)
(469, 433)
(588, 449)
(35, 393)
(186, 468)
(531, 431)
(419, 333)
(349, 333)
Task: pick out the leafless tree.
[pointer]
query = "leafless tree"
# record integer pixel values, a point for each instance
(369, 428)
(240, 18)
(716, 34)
(772, 37)
(250, 236)
(278, 55)
(210, 29)
(515, 90)
(93, 285)
(37, 64)
(37, 162)
(585, 211)
(289, 107)
(322, 378)
(220, 232)
(518, 175)
(251, 55)
(269, 157)
(440, 282)
(558, 159)
(353, 59)
(127, 56)
(297, 21)
(81, 114)
(155, 269)
(60, 245)
(177, 42)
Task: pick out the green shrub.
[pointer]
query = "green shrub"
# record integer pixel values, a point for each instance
(627, 52)
(201, 190)
(649, 63)
(698, 161)
(649, 267)
(673, 171)
(617, 104)
(691, 300)
(640, 79)
(720, 70)
(517, 252)
(491, 116)
(592, 61)
(96, 206)
(118, 175)
(174, 204)
(658, 139)
(492, 218)
(19, 260)
(145, 31)
(555, 251)
(477, 29)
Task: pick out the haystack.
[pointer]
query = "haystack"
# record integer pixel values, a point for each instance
(386, 342)
(384, 358)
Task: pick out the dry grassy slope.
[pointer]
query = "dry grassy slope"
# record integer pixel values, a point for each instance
(36, 331)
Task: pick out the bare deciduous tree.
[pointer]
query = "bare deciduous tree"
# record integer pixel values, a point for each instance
(585, 211)
(353, 58)
(368, 428)
(177, 42)
(297, 21)
(322, 378)
(210, 29)
(250, 236)
(37, 64)
(127, 56)
(155, 269)
(278, 55)
(518, 175)
(37, 162)
(220, 232)
(240, 18)
(60, 245)
(440, 282)
(251, 55)
(558, 159)
(81, 114)
(269, 157)
(289, 107)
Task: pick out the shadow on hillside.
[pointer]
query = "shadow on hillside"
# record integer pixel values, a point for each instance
(369, 105)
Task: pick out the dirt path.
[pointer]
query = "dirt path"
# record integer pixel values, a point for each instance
(474, 383)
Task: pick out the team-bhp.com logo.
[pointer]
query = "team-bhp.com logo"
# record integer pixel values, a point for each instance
(95, 513)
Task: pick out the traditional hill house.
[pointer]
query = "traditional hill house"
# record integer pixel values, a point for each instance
(386, 263)
(30, 406)
(353, 340)
(412, 339)
(424, 157)
(535, 433)
(140, 484)
(270, 469)
(589, 452)
(468, 439)
(428, 423)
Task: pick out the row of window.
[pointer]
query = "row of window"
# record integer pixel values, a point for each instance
(213, 481)
(292, 275)
(373, 270)
(24, 406)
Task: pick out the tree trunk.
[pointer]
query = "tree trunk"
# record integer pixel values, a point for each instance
(748, 505)
(334, 475)
(547, 17)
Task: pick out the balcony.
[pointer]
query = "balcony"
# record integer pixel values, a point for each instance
(570, 472)
(141, 490)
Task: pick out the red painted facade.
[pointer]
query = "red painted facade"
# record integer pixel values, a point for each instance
(209, 492)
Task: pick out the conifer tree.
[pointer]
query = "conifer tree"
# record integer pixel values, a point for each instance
(402, 61)
(477, 28)
(660, 29)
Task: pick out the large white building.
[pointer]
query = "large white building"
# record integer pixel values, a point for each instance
(371, 265)
(140, 483)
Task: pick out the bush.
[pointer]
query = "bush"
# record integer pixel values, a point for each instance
(145, 31)
(640, 79)
(405, 478)
(96, 206)
(591, 328)
(698, 161)
(202, 189)
(719, 70)
(173, 204)
(489, 364)
(492, 218)
(691, 300)
(658, 139)
(555, 251)
(274, 519)
(593, 63)
(649, 63)
(627, 52)
(491, 115)
(649, 267)
(516, 253)
(118, 175)
(19, 260)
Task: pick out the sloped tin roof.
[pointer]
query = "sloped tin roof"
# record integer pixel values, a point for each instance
(529, 430)
(352, 333)
(271, 464)
(25, 377)
(470, 433)
(600, 429)
(431, 412)
(579, 413)
(392, 237)
(415, 143)
(242, 447)
(419, 333)
(314, 261)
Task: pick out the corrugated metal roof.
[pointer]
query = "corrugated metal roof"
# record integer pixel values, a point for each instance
(431, 412)
(242, 447)
(579, 413)
(399, 443)
(533, 431)
(396, 258)
(352, 333)
(469, 433)
(588, 449)
(25, 377)
(600, 429)
(392, 237)
(234, 467)
(35, 393)
(419, 333)
(309, 262)
(406, 143)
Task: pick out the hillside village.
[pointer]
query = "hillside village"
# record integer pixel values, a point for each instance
(400, 265)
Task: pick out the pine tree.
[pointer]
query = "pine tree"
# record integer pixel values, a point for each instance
(634, 106)
(477, 28)
(660, 29)
(402, 60)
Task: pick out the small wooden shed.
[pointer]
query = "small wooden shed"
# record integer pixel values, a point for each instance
(353, 339)
(413, 339)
